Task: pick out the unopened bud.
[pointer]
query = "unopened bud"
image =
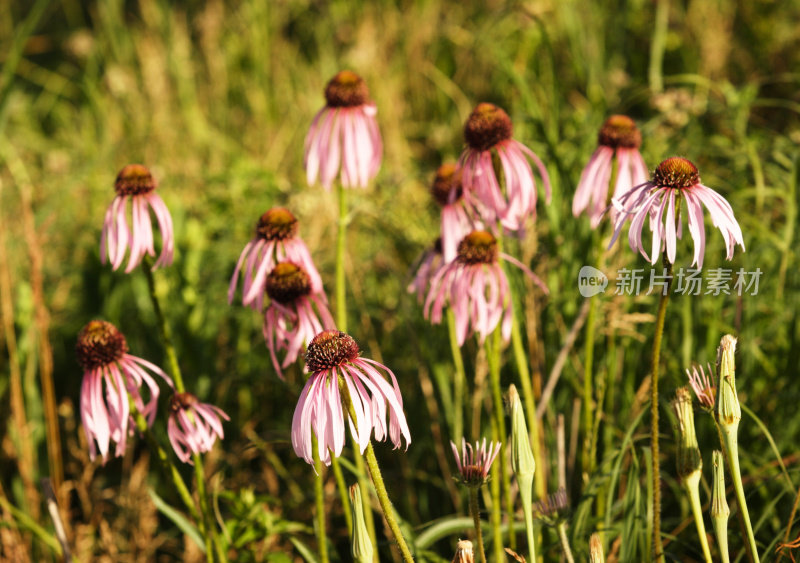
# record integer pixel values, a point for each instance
(596, 549)
(719, 504)
(729, 411)
(689, 460)
(464, 552)
(362, 546)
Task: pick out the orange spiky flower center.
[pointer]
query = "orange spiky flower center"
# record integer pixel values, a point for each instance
(99, 344)
(277, 224)
(620, 131)
(676, 172)
(330, 349)
(134, 179)
(346, 89)
(478, 247)
(286, 282)
(447, 187)
(487, 126)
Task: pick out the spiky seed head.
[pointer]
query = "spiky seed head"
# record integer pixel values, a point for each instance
(478, 247)
(277, 224)
(330, 349)
(676, 172)
(447, 187)
(287, 282)
(346, 89)
(99, 344)
(134, 179)
(487, 126)
(619, 131)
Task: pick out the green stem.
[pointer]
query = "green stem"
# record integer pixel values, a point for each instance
(493, 355)
(521, 360)
(731, 449)
(494, 489)
(692, 486)
(476, 519)
(319, 501)
(366, 494)
(658, 549)
(386, 504)
(377, 480)
(342, 487)
(168, 466)
(175, 371)
(562, 536)
(459, 381)
(341, 236)
(527, 507)
(587, 463)
(658, 45)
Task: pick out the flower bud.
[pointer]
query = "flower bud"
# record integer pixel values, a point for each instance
(729, 411)
(596, 549)
(688, 459)
(522, 461)
(362, 546)
(464, 552)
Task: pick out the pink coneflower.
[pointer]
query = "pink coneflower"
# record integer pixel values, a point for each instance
(275, 241)
(456, 223)
(488, 132)
(429, 264)
(345, 131)
(618, 137)
(333, 361)
(703, 386)
(476, 288)
(675, 178)
(474, 463)
(193, 427)
(135, 183)
(291, 321)
(102, 352)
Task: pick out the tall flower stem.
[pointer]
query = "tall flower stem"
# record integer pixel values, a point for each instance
(730, 447)
(386, 504)
(476, 520)
(493, 354)
(341, 324)
(175, 371)
(377, 481)
(562, 537)
(459, 380)
(497, 509)
(319, 502)
(692, 487)
(341, 239)
(658, 549)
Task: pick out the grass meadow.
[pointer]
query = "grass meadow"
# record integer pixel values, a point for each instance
(216, 97)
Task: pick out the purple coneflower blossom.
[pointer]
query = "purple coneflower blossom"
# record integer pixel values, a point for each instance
(429, 264)
(135, 184)
(659, 200)
(333, 360)
(476, 288)
(103, 353)
(193, 427)
(619, 137)
(474, 463)
(275, 241)
(456, 223)
(344, 131)
(488, 132)
(703, 386)
(291, 321)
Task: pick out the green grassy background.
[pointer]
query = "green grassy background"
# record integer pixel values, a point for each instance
(216, 98)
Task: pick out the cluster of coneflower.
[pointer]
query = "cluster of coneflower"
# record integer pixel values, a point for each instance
(489, 194)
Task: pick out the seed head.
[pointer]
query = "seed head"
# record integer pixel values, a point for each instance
(286, 282)
(478, 247)
(464, 552)
(676, 172)
(330, 349)
(446, 187)
(487, 126)
(99, 344)
(346, 89)
(277, 224)
(619, 131)
(134, 179)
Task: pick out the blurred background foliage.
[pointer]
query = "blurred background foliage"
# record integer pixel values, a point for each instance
(216, 98)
